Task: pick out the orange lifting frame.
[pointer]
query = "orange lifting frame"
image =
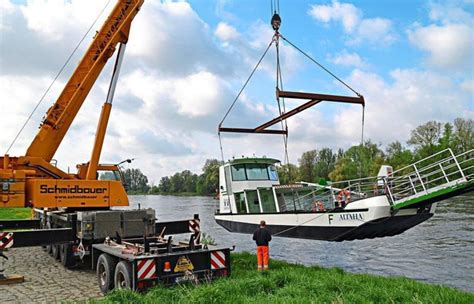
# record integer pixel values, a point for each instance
(314, 99)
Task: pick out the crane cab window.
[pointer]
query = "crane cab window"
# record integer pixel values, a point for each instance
(109, 175)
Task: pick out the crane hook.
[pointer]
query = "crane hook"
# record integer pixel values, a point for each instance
(276, 22)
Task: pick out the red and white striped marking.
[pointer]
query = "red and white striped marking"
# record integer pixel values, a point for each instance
(6, 240)
(194, 226)
(146, 269)
(217, 260)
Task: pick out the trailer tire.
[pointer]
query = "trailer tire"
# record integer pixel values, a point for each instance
(66, 255)
(105, 272)
(123, 275)
(49, 248)
(55, 251)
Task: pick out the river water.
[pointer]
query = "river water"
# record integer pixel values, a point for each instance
(439, 251)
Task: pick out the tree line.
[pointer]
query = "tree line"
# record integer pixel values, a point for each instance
(335, 165)
(365, 160)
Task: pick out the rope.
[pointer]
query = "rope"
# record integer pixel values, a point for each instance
(294, 227)
(57, 76)
(284, 123)
(246, 82)
(320, 65)
(363, 124)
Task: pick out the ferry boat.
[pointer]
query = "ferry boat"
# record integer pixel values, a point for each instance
(380, 206)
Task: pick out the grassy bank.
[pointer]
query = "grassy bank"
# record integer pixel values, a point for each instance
(289, 283)
(15, 213)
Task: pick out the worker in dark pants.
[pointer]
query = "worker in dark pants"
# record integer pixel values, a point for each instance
(262, 237)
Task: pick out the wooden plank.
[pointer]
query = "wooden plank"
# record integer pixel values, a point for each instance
(12, 279)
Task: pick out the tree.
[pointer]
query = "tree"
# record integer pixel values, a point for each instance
(288, 173)
(446, 141)
(165, 185)
(308, 162)
(208, 182)
(463, 135)
(425, 138)
(176, 183)
(325, 163)
(189, 181)
(135, 181)
(398, 156)
(357, 162)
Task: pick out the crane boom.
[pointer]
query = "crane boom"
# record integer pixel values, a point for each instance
(60, 116)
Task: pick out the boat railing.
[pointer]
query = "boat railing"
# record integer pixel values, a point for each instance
(425, 176)
(433, 173)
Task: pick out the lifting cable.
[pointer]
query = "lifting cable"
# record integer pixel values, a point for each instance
(240, 92)
(57, 76)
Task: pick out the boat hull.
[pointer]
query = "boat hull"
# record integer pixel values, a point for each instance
(328, 226)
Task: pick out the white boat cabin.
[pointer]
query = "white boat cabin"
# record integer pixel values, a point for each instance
(245, 185)
(251, 186)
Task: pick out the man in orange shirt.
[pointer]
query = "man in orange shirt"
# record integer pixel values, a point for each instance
(262, 237)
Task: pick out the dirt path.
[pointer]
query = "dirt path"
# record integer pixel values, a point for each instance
(46, 280)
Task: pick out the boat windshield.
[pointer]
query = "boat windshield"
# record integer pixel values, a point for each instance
(244, 172)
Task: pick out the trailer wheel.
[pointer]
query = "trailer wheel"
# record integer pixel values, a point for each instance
(49, 248)
(55, 251)
(105, 272)
(66, 256)
(123, 275)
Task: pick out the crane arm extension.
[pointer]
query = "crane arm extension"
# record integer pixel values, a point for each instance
(60, 116)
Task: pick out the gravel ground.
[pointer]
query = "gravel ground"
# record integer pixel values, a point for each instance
(46, 280)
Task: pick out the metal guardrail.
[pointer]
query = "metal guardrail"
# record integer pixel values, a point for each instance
(436, 172)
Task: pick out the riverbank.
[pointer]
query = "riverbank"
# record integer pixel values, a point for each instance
(179, 194)
(292, 283)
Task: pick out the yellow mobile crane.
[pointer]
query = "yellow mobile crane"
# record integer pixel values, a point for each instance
(73, 214)
(31, 180)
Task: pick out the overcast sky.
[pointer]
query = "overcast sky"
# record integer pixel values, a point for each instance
(185, 62)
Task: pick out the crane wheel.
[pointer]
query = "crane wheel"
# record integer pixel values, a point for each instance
(105, 272)
(123, 275)
(66, 255)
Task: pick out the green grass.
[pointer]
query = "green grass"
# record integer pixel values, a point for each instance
(15, 213)
(290, 283)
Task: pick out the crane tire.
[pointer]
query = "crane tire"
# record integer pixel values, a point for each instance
(66, 255)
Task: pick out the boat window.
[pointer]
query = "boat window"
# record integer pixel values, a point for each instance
(240, 202)
(267, 199)
(257, 172)
(252, 200)
(272, 172)
(238, 173)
